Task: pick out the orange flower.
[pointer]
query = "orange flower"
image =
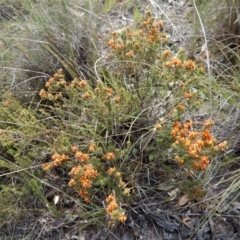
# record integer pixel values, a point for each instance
(130, 54)
(204, 160)
(72, 182)
(203, 166)
(188, 124)
(47, 166)
(109, 91)
(168, 64)
(195, 166)
(85, 182)
(75, 170)
(187, 143)
(136, 45)
(158, 126)
(166, 53)
(189, 64)
(122, 217)
(82, 156)
(206, 135)
(193, 134)
(63, 82)
(111, 170)
(110, 198)
(86, 95)
(92, 147)
(222, 146)
(117, 99)
(181, 107)
(58, 159)
(114, 33)
(43, 94)
(7, 102)
(109, 156)
(111, 206)
(179, 160)
(176, 62)
(208, 123)
(74, 148)
(82, 192)
(200, 143)
(82, 83)
(188, 95)
(87, 200)
(160, 24)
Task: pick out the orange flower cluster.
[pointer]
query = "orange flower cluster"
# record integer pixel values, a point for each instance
(196, 145)
(57, 77)
(53, 84)
(84, 176)
(109, 92)
(57, 160)
(177, 63)
(114, 211)
(150, 32)
(86, 95)
(82, 83)
(92, 147)
(83, 157)
(109, 156)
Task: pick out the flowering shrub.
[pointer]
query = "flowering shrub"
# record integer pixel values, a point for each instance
(101, 132)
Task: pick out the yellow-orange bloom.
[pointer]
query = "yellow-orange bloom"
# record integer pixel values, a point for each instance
(92, 147)
(122, 217)
(204, 160)
(188, 95)
(166, 53)
(195, 165)
(176, 62)
(158, 126)
(74, 148)
(208, 123)
(206, 135)
(43, 94)
(222, 146)
(82, 83)
(85, 182)
(111, 170)
(189, 64)
(82, 156)
(47, 166)
(130, 54)
(75, 170)
(82, 192)
(109, 156)
(111, 206)
(86, 200)
(181, 107)
(86, 95)
(117, 99)
(110, 198)
(72, 182)
(109, 91)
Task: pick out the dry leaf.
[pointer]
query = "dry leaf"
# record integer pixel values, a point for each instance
(56, 199)
(183, 200)
(164, 187)
(173, 193)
